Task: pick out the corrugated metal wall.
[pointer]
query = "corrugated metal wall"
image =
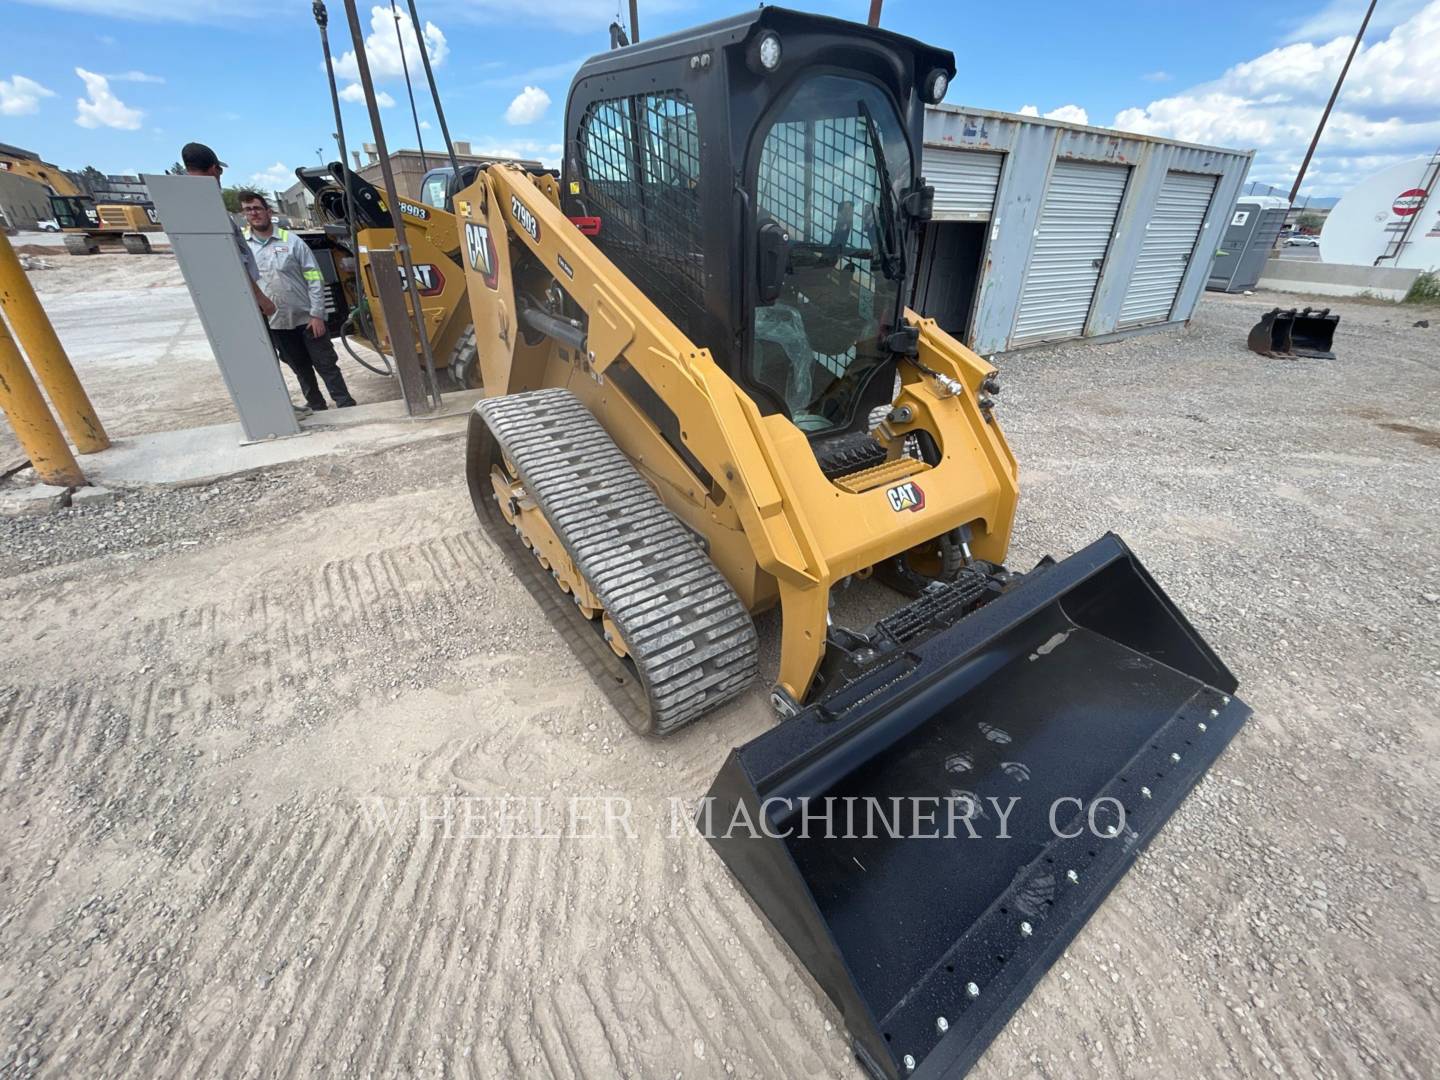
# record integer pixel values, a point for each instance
(1170, 237)
(1081, 205)
(965, 184)
(1133, 277)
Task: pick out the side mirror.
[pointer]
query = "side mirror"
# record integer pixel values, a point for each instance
(772, 259)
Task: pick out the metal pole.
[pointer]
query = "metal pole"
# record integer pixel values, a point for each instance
(392, 199)
(434, 93)
(38, 434)
(874, 19)
(634, 22)
(1354, 48)
(37, 336)
(322, 20)
(405, 67)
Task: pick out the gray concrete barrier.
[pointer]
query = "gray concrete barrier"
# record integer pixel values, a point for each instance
(1336, 279)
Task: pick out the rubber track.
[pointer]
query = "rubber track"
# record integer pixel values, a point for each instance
(692, 642)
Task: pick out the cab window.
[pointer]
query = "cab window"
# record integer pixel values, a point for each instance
(432, 192)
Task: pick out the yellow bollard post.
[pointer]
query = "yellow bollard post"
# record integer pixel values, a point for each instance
(47, 356)
(36, 429)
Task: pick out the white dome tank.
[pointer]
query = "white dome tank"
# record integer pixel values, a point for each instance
(1376, 211)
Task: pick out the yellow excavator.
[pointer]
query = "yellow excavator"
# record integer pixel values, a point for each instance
(89, 227)
(706, 397)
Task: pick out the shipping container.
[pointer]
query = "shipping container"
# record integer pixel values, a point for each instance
(1049, 231)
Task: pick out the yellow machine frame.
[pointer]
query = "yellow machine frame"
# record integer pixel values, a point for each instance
(776, 527)
(434, 241)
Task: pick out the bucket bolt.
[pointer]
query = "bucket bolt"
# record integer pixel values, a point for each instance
(909, 1061)
(1145, 791)
(1026, 929)
(1202, 726)
(942, 1025)
(972, 991)
(1214, 713)
(1072, 877)
(1175, 758)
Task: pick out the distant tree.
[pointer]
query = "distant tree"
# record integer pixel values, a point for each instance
(176, 169)
(1310, 222)
(93, 179)
(231, 195)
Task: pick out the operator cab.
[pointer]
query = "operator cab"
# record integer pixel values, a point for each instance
(758, 179)
(438, 186)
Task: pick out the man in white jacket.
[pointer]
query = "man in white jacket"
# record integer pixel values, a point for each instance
(291, 278)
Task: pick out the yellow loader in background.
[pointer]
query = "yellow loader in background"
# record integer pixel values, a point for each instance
(435, 249)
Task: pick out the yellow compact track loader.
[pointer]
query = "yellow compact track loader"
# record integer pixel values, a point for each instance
(433, 237)
(706, 397)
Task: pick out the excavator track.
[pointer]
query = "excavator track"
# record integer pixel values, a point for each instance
(688, 641)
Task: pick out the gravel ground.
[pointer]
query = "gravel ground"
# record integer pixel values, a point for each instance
(201, 687)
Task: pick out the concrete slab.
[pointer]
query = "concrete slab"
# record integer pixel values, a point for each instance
(91, 496)
(204, 454)
(39, 499)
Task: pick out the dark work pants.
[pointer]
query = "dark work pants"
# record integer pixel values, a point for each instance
(306, 355)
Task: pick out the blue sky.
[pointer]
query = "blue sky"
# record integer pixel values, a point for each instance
(247, 78)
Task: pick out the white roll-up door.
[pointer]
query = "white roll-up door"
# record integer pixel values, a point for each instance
(1076, 223)
(965, 182)
(1165, 252)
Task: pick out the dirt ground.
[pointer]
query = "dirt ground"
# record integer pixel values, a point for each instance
(203, 688)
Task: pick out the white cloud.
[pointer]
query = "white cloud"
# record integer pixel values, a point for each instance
(135, 76)
(354, 92)
(1070, 114)
(1157, 76)
(382, 48)
(1342, 17)
(546, 153)
(20, 96)
(424, 125)
(529, 105)
(276, 178)
(102, 108)
(1272, 103)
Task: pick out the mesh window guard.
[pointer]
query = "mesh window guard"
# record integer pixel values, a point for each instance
(810, 170)
(641, 162)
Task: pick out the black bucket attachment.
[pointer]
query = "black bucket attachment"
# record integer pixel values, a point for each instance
(1310, 332)
(1313, 333)
(876, 829)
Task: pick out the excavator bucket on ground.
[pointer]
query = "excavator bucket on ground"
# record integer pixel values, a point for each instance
(1313, 333)
(1310, 332)
(1271, 335)
(928, 838)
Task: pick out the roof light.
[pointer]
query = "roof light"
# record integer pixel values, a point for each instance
(765, 53)
(936, 83)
